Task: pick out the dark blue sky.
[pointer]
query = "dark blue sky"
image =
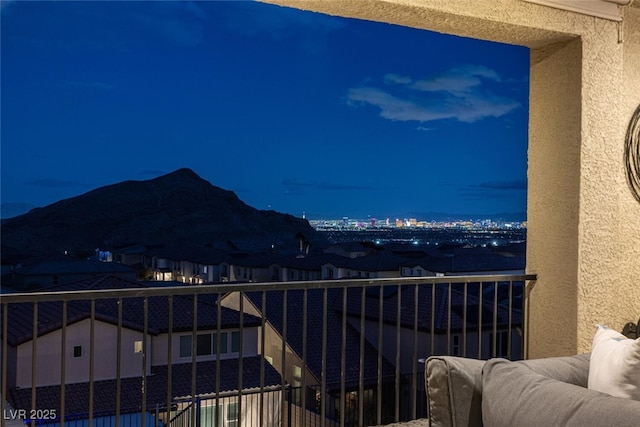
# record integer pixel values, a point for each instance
(294, 111)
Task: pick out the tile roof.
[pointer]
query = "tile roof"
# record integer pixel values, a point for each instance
(77, 401)
(426, 303)
(20, 326)
(72, 266)
(295, 302)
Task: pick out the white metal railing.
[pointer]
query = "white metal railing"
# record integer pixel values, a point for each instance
(357, 347)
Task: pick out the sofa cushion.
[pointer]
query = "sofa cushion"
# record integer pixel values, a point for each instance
(514, 395)
(615, 364)
(454, 391)
(569, 369)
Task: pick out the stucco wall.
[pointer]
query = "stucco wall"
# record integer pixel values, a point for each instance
(583, 224)
(77, 369)
(628, 225)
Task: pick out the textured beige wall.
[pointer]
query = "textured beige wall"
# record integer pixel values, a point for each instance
(553, 196)
(583, 223)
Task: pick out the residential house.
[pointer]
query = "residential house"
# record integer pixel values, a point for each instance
(148, 364)
(303, 366)
(351, 249)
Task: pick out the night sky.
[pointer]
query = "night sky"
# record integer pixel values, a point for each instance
(294, 111)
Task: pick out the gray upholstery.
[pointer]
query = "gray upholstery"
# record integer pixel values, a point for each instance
(454, 391)
(541, 392)
(513, 394)
(571, 369)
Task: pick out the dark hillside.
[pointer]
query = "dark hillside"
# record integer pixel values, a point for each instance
(173, 209)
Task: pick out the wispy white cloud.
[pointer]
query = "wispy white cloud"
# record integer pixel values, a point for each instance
(466, 94)
(393, 107)
(398, 79)
(457, 81)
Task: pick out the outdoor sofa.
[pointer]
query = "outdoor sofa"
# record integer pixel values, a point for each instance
(549, 392)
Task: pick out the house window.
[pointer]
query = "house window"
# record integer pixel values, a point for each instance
(235, 342)
(207, 344)
(208, 416)
(223, 343)
(297, 371)
(185, 346)
(137, 347)
(232, 415)
(203, 345)
(77, 351)
(275, 273)
(329, 273)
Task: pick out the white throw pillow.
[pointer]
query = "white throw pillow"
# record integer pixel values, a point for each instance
(614, 367)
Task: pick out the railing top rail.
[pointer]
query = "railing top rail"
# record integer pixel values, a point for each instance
(154, 291)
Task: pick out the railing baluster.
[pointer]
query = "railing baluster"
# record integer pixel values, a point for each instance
(363, 304)
(145, 332)
(398, 330)
(495, 320)
(480, 321)
(218, 414)
(240, 356)
(343, 360)
(323, 380)
(449, 318)
(63, 362)
(433, 320)
(169, 355)
(414, 371)
(5, 362)
(34, 360)
(92, 339)
(465, 303)
(262, 347)
(194, 352)
(303, 390)
(380, 335)
(283, 406)
(509, 322)
(118, 362)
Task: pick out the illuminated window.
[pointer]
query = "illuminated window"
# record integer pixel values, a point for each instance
(137, 347)
(297, 371)
(232, 415)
